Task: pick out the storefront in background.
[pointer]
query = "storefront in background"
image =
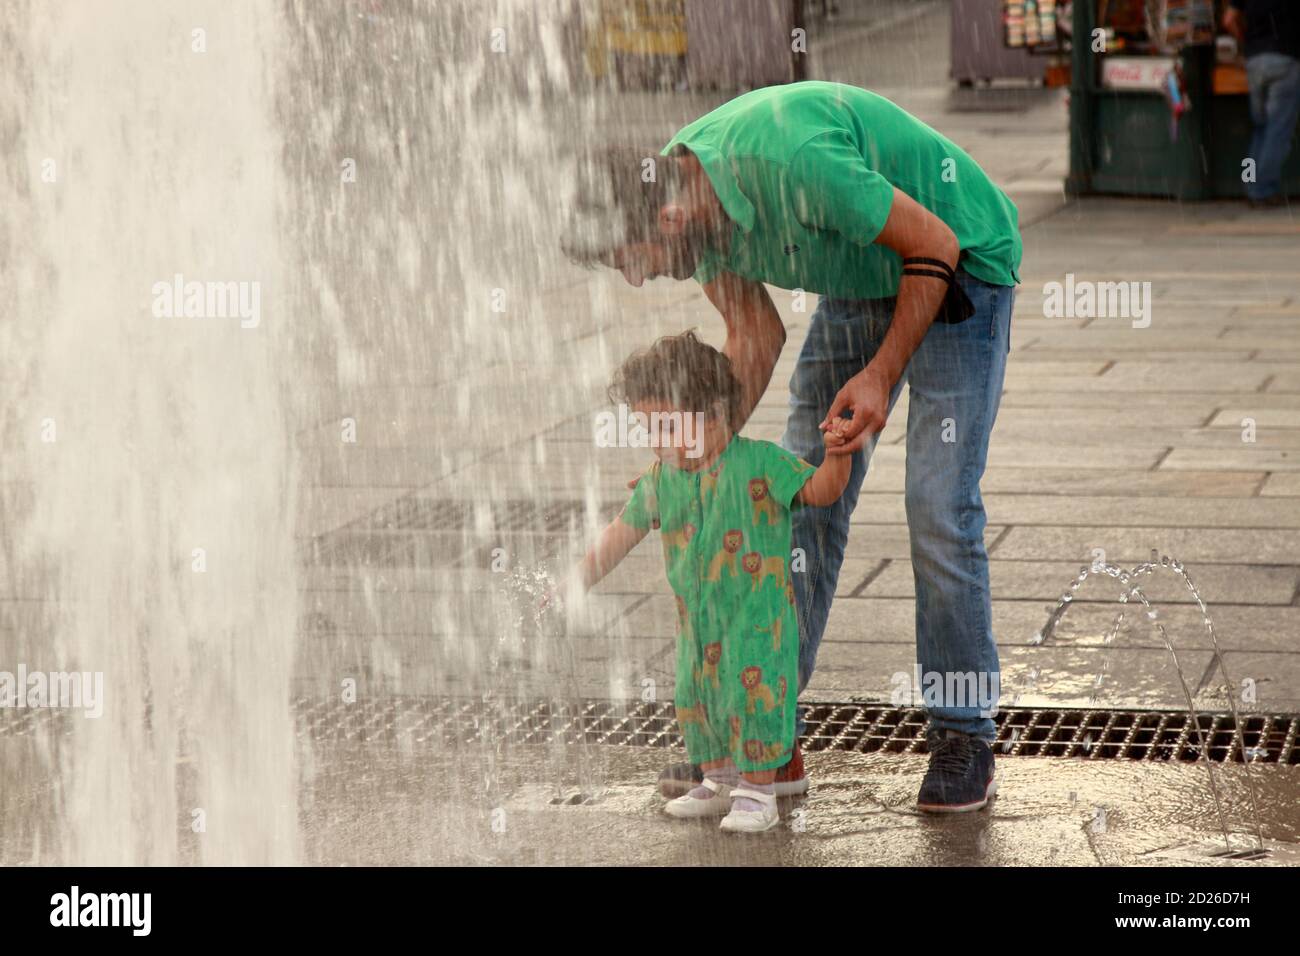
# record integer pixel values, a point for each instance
(1158, 102)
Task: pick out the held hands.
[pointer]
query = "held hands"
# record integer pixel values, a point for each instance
(835, 435)
(867, 396)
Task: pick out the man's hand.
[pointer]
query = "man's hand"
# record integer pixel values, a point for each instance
(867, 396)
(834, 434)
(832, 475)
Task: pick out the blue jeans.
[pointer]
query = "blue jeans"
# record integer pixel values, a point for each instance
(1274, 106)
(955, 378)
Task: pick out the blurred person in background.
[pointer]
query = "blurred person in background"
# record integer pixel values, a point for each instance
(1269, 33)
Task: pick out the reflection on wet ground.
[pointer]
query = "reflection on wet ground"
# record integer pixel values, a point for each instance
(372, 806)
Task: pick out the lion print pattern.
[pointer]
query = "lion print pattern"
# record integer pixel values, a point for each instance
(751, 678)
(761, 568)
(712, 655)
(679, 538)
(764, 506)
(709, 480)
(759, 752)
(728, 557)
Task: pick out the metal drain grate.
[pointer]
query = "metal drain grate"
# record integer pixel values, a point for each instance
(403, 533)
(864, 728)
(1091, 734)
(416, 513)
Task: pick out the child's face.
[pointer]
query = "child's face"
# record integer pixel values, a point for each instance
(682, 439)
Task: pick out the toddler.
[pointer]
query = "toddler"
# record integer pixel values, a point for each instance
(721, 504)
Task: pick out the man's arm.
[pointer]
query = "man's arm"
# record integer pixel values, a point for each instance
(755, 333)
(911, 230)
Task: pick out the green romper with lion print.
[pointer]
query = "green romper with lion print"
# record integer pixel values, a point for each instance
(726, 537)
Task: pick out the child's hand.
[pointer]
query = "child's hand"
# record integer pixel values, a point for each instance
(552, 599)
(559, 593)
(834, 435)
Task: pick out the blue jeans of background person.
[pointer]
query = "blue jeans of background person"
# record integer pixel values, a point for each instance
(955, 381)
(1274, 106)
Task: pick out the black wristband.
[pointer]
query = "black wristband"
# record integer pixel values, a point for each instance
(910, 268)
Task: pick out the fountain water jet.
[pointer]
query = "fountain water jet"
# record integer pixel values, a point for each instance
(149, 509)
(1125, 577)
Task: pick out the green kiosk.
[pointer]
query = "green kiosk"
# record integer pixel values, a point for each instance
(1136, 131)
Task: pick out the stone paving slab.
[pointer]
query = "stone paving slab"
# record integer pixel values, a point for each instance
(1264, 418)
(1118, 511)
(1195, 439)
(450, 614)
(1027, 348)
(1165, 338)
(1051, 398)
(1218, 583)
(1275, 675)
(1015, 418)
(1245, 627)
(1067, 483)
(1031, 676)
(1282, 484)
(888, 507)
(1245, 458)
(1127, 545)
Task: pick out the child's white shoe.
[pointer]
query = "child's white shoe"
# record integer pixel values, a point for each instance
(752, 821)
(688, 807)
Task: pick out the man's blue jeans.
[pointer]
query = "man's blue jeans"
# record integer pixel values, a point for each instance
(955, 377)
(1274, 106)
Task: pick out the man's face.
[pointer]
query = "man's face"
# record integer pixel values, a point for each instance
(680, 233)
(671, 256)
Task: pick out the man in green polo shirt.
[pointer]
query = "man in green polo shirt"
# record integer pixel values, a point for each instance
(827, 188)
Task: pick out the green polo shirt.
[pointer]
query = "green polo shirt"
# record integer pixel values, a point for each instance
(806, 173)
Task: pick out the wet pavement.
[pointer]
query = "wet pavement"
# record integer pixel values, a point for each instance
(381, 807)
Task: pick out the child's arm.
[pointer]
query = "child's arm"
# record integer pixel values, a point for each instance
(832, 476)
(612, 547)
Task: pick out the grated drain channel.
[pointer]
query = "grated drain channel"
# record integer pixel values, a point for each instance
(403, 532)
(865, 728)
(860, 727)
(418, 513)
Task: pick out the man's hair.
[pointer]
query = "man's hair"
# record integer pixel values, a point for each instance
(621, 189)
(681, 371)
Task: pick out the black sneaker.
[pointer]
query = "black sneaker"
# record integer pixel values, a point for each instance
(679, 780)
(960, 777)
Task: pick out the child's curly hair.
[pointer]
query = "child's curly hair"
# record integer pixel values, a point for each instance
(681, 371)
